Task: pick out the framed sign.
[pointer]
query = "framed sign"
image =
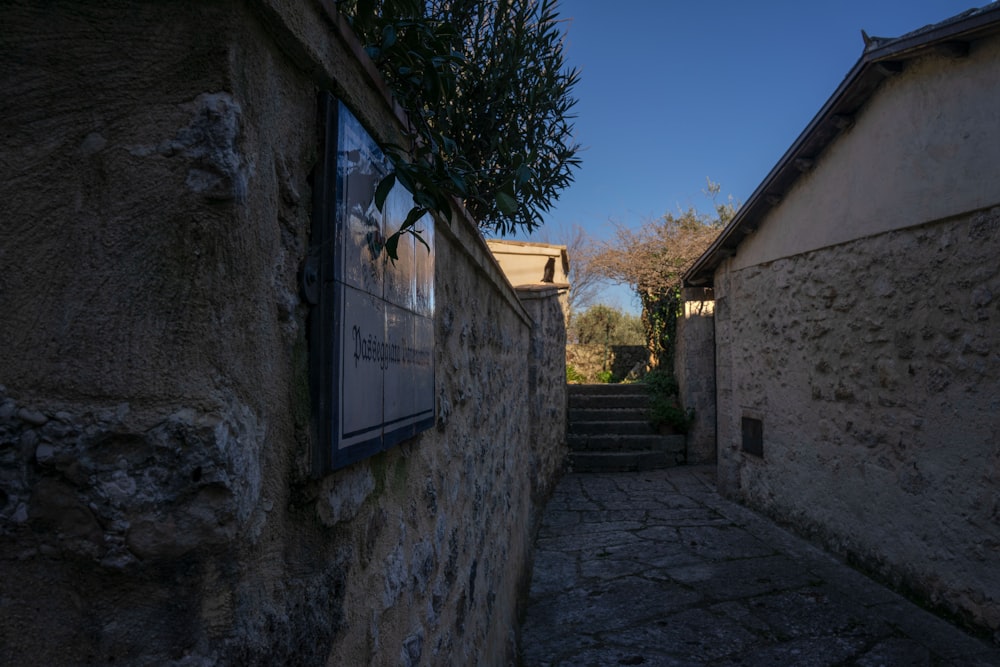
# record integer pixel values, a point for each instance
(372, 323)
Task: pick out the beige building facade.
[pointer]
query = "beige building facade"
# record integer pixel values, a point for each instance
(857, 322)
(534, 269)
(526, 263)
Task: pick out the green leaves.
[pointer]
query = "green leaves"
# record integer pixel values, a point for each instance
(383, 189)
(391, 245)
(505, 199)
(486, 89)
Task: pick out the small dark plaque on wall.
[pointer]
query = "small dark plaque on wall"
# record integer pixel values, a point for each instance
(753, 436)
(371, 330)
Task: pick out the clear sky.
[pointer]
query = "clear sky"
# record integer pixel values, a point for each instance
(673, 91)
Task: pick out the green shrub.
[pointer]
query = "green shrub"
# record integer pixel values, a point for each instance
(604, 377)
(666, 412)
(660, 383)
(574, 376)
(664, 407)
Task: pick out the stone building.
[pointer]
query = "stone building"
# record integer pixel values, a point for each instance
(160, 497)
(856, 300)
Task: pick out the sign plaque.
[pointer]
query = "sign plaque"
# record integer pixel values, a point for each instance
(372, 325)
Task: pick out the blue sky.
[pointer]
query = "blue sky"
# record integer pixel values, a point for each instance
(673, 92)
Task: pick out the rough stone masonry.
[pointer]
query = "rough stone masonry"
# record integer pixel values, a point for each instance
(157, 505)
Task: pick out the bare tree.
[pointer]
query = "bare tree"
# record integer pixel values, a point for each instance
(584, 281)
(652, 259)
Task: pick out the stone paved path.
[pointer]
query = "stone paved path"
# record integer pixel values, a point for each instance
(655, 568)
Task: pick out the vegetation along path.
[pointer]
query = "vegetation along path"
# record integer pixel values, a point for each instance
(655, 568)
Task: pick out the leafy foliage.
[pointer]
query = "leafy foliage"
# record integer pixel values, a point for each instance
(600, 325)
(664, 407)
(667, 412)
(660, 311)
(660, 382)
(604, 377)
(574, 376)
(488, 95)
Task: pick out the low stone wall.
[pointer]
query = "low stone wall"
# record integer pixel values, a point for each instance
(156, 499)
(873, 368)
(589, 360)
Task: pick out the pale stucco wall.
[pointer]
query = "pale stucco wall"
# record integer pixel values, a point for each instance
(156, 501)
(524, 263)
(922, 149)
(860, 326)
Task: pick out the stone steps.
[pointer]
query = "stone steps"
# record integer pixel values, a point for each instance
(633, 389)
(603, 426)
(616, 442)
(609, 431)
(636, 413)
(608, 401)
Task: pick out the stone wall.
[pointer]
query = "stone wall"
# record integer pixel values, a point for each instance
(694, 368)
(873, 367)
(589, 360)
(156, 502)
(547, 383)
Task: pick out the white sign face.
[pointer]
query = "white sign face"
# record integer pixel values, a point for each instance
(384, 328)
(361, 366)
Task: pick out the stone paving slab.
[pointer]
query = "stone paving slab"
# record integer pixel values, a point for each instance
(654, 568)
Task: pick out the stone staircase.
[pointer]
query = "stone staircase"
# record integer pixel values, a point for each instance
(608, 430)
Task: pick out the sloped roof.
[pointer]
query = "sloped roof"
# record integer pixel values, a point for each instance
(882, 58)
